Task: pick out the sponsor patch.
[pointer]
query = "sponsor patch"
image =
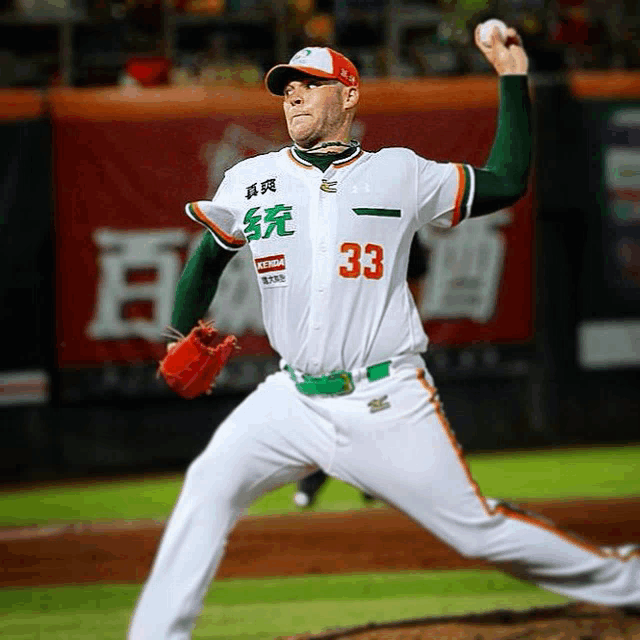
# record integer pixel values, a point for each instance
(272, 270)
(270, 263)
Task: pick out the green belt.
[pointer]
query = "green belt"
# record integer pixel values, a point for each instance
(336, 383)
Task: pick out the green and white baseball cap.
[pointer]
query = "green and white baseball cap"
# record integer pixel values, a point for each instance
(319, 62)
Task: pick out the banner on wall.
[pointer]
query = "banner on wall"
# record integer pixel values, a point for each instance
(123, 236)
(609, 336)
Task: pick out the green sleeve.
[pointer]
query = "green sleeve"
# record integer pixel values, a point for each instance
(503, 180)
(198, 283)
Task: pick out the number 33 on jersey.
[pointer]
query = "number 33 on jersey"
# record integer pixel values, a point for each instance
(321, 243)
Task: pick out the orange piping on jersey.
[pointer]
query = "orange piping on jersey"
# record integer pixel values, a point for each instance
(447, 429)
(551, 528)
(502, 508)
(462, 181)
(229, 239)
(339, 165)
(300, 164)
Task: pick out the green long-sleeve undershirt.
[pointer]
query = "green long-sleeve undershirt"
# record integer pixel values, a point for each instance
(198, 283)
(498, 184)
(503, 180)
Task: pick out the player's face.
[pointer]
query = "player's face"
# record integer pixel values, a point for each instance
(316, 110)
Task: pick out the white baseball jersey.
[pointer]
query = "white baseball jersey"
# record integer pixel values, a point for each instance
(324, 244)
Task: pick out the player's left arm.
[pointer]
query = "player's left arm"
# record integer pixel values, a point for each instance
(504, 178)
(198, 283)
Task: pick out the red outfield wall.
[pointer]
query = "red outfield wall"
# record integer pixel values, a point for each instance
(127, 160)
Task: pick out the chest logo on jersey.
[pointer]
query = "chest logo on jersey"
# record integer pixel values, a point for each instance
(262, 225)
(265, 187)
(272, 270)
(329, 186)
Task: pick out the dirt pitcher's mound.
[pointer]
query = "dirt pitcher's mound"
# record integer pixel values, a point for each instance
(568, 622)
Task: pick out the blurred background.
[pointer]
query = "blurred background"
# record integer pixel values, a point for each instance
(153, 42)
(113, 115)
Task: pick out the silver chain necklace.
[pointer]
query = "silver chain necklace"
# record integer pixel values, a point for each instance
(352, 144)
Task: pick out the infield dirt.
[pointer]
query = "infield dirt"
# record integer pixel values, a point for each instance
(315, 543)
(283, 545)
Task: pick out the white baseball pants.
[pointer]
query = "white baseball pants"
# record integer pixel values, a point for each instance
(404, 453)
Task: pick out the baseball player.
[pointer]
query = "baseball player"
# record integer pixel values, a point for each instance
(329, 226)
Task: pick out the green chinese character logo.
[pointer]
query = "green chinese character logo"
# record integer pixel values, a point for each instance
(252, 220)
(276, 218)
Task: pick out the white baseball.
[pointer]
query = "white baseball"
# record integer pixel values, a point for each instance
(301, 499)
(486, 29)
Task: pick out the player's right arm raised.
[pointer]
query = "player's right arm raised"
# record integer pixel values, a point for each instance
(504, 178)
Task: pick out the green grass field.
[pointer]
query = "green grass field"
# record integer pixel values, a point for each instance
(264, 609)
(582, 473)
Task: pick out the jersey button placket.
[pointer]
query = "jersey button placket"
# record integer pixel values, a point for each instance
(326, 220)
(318, 259)
(323, 271)
(323, 246)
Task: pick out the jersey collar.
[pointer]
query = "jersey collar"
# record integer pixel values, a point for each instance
(345, 160)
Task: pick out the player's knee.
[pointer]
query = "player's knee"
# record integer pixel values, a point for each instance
(475, 544)
(196, 472)
(207, 477)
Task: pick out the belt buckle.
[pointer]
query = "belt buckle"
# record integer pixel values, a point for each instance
(347, 381)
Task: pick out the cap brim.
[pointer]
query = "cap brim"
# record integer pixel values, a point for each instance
(278, 77)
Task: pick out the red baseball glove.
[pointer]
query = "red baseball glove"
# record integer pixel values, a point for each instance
(193, 363)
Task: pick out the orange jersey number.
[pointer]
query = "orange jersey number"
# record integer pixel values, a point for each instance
(353, 268)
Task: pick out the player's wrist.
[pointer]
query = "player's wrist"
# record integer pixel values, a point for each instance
(514, 81)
